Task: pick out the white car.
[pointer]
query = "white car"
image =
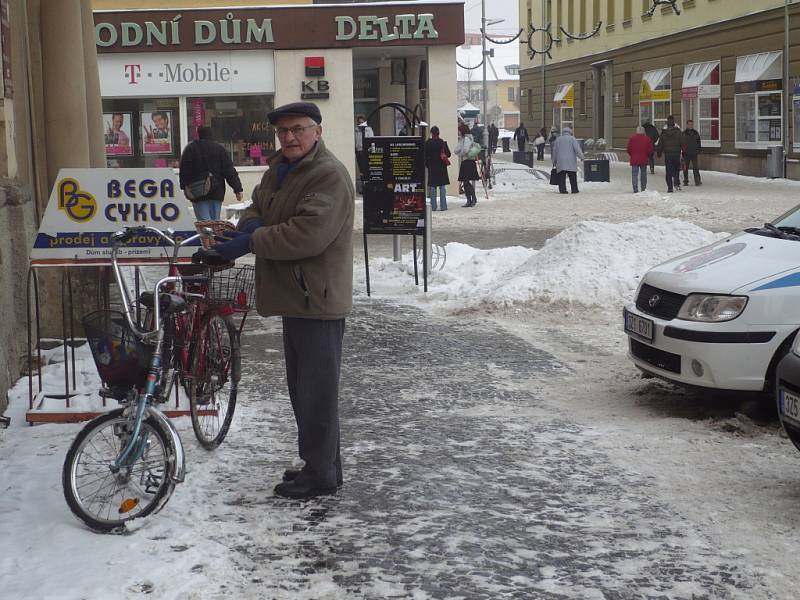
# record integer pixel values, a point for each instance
(724, 315)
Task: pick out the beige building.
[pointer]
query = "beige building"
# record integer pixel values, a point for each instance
(720, 63)
(227, 64)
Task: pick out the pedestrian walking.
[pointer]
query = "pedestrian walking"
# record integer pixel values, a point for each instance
(540, 142)
(437, 158)
(467, 170)
(692, 148)
(565, 154)
(300, 229)
(521, 135)
(494, 134)
(670, 144)
(204, 160)
(640, 149)
(651, 132)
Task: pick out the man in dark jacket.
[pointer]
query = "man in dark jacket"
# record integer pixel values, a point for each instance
(494, 133)
(521, 135)
(651, 132)
(204, 156)
(692, 147)
(670, 144)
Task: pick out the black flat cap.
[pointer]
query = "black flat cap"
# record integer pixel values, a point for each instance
(305, 109)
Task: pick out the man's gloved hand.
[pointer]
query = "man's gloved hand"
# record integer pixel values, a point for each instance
(250, 226)
(235, 247)
(210, 257)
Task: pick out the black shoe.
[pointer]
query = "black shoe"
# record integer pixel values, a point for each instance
(669, 191)
(289, 489)
(443, 209)
(291, 475)
(698, 183)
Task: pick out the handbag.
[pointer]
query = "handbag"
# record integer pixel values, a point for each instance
(200, 188)
(553, 176)
(443, 156)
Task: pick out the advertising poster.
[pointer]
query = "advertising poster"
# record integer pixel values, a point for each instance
(156, 132)
(118, 134)
(87, 205)
(394, 190)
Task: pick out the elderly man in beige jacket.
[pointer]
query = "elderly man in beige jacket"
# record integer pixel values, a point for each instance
(302, 226)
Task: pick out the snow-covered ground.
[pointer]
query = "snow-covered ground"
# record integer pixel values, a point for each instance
(733, 480)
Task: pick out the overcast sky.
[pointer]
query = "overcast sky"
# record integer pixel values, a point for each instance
(495, 9)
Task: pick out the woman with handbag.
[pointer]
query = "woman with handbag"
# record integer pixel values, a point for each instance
(468, 170)
(205, 167)
(437, 159)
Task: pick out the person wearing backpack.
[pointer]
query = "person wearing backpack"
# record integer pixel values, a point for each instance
(437, 157)
(202, 160)
(468, 170)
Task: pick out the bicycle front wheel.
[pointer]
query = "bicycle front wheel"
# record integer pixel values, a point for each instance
(216, 365)
(103, 496)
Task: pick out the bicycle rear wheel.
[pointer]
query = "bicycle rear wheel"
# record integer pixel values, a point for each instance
(105, 499)
(216, 366)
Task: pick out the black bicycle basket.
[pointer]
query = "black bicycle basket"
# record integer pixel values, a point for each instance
(234, 286)
(122, 360)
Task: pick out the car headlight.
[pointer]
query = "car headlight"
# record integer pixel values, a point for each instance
(711, 309)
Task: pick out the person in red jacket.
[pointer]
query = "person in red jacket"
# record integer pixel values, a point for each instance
(640, 148)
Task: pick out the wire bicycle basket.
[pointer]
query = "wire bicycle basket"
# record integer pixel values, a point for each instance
(121, 358)
(234, 286)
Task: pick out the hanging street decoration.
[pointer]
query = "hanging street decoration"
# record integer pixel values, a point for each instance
(532, 52)
(470, 68)
(583, 36)
(656, 3)
(494, 41)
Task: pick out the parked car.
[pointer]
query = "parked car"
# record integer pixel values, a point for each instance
(722, 316)
(788, 393)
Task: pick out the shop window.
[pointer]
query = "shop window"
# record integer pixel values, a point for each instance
(564, 106)
(701, 100)
(142, 132)
(655, 97)
(239, 123)
(759, 99)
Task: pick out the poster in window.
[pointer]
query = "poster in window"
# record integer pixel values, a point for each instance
(156, 132)
(118, 133)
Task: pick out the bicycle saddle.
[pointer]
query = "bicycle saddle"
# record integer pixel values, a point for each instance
(169, 303)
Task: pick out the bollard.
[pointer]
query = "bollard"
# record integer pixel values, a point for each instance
(397, 249)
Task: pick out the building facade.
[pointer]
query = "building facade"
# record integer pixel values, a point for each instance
(163, 72)
(722, 64)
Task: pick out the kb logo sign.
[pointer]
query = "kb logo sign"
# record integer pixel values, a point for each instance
(315, 89)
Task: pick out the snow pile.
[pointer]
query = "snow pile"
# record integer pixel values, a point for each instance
(591, 263)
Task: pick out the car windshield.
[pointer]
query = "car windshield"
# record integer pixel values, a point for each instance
(787, 226)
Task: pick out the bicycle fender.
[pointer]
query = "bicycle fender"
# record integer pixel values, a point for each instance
(177, 470)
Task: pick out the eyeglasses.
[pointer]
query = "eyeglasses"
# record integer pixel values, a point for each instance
(296, 130)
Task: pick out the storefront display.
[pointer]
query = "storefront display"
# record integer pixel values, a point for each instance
(701, 100)
(564, 107)
(655, 97)
(759, 100)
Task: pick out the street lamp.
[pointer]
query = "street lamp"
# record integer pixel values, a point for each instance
(484, 24)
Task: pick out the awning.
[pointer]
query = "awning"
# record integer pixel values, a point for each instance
(694, 75)
(652, 80)
(758, 67)
(564, 95)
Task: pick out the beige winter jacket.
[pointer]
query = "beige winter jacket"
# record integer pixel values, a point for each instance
(304, 251)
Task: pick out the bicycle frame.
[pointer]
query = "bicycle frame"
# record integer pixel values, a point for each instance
(135, 446)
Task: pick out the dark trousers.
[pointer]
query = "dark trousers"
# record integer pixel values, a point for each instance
(540, 152)
(652, 162)
(695, 169)
(562, 181)
(673, 164)
(313, 351)
(469, 192)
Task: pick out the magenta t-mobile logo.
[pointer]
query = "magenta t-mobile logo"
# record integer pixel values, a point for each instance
(133, 72)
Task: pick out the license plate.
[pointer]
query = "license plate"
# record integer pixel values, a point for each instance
(789, 406)
(639, 326)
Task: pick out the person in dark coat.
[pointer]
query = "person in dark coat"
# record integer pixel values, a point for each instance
(437, 168)
(203, 156)
(494, 134)
(521, 135)
(468, 170)
(651, 132)
(540, 142)
(670, 143)
(477, 133)
(692, 147)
